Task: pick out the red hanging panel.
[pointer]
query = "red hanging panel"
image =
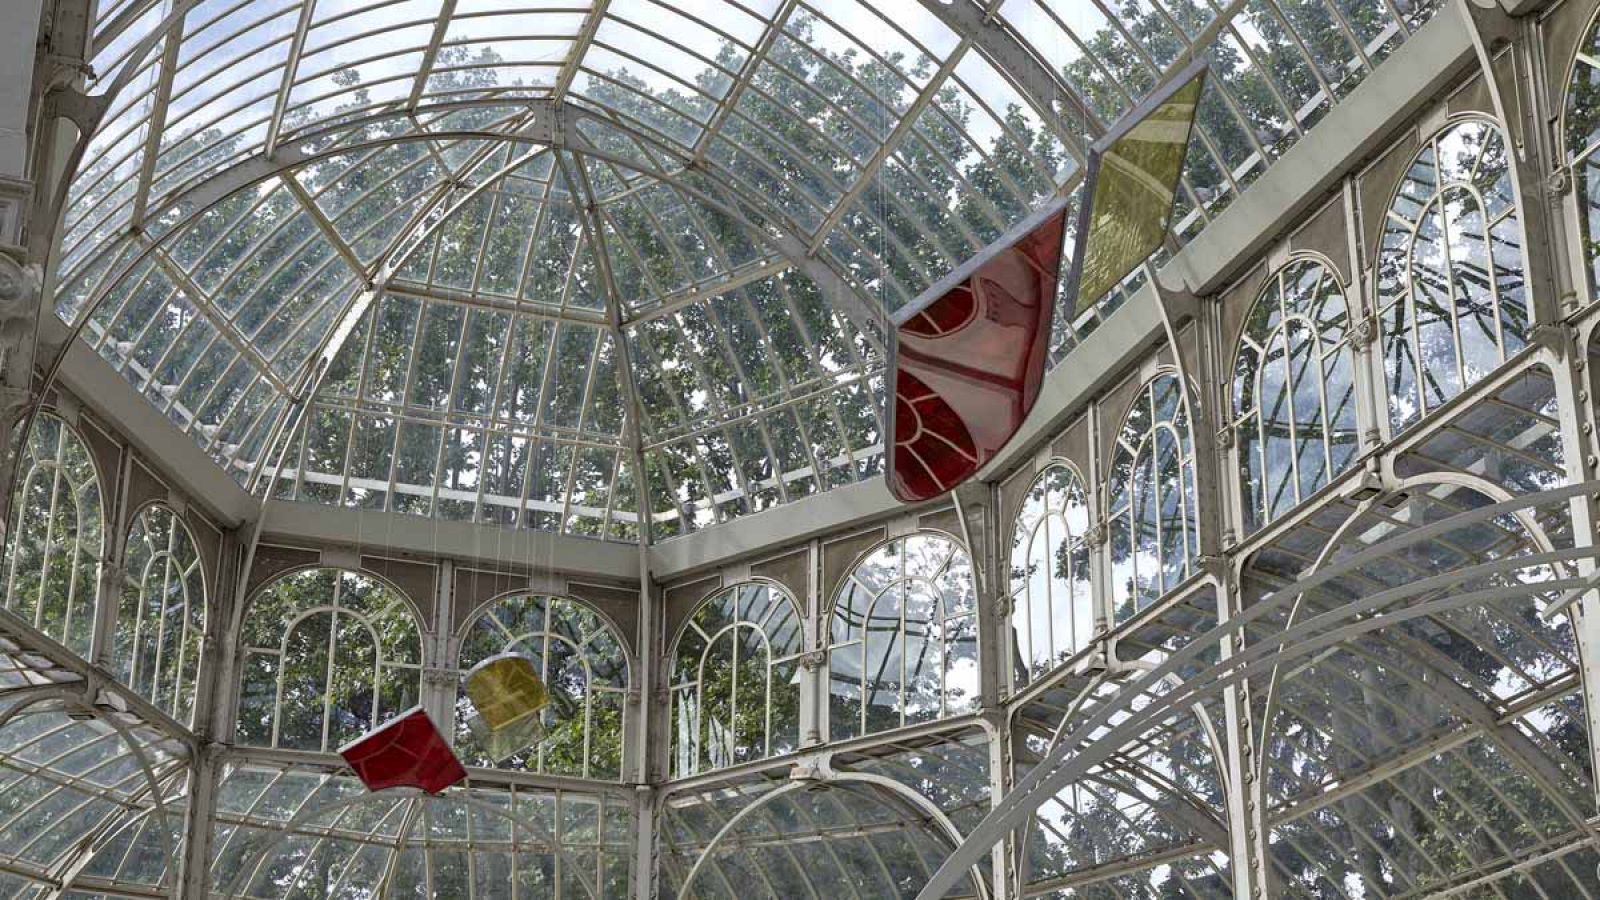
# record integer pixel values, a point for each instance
(407, 751)
(968, 358)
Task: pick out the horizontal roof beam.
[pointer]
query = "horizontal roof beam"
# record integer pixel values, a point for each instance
(1355, 128)
(1351, 131)
(106, 393)
(419, 536)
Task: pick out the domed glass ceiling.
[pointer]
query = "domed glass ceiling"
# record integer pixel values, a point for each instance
(577, 267)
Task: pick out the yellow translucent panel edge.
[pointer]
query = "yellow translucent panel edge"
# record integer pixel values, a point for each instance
(1135, 184)
(506, 688)
(506, 741)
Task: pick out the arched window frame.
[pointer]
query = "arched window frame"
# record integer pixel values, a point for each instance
(396, 669)
(951, 587)
(1058, 497)
(57, 460)
(1161, 407)
(1287, 305)
(1580, 135)
(161, 566)
(499, 627)
(1408, 372)
(778, 628)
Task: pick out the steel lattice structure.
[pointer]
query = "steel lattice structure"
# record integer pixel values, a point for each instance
(357, 341)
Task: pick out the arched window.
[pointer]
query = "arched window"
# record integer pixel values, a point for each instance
(904, 647)
(161, 620)
(1150, 497)
(1582, 129)
(1452, 302)
(736, 680)
(1294, 401)
(53, 564)
(327, 655)
(583, 664)
(1052, 609)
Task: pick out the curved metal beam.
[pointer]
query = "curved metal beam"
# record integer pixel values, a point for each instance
(37, 694)
(916, 802)
(1051, 95)
(286, 830)
(1056, 770)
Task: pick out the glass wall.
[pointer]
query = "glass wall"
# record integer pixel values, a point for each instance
(325, 656)
(580, 659)
(736, 679)
(903, 642)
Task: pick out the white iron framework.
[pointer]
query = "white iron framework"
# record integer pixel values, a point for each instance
(347, 343)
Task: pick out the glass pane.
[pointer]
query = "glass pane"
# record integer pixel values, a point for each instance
(1134, 180)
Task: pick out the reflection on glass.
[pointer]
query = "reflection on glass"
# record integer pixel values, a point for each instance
(1451, 295)
(736, 679)
(969, 358)
(1293, 391)
(904, 645)
(161, 620)
(327, 656)
(1151, 493)
(1052, 610)
(1133, 177)
(581, 662)
(53, 565)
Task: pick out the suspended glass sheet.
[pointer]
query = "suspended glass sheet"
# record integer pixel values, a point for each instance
(505, 688)
(508, 695)
(1133, 177)
(968, 359)
(503, 744)
(407, 752)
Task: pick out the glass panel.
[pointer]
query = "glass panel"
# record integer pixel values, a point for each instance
(1133, 182)
(1451, 299)
(328, 655)
(1052, 608)
(161, 617)
(1293, 361)
(969, 358)
(904, 641)
(733, 670)
(1151, 483)
(53, 564)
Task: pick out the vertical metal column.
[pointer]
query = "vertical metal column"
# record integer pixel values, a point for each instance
(1556, 287)
(813, 678)
(1573, 393)
(1220, 514)
(212, 706)
(978, 506)
(439, 676)
(113, 574)
(646, 737)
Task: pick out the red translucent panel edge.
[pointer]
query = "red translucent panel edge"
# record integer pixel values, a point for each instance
(969, 358)
(407, 751)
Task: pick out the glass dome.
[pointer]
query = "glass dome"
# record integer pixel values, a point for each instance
(606, 271)
(379, 339)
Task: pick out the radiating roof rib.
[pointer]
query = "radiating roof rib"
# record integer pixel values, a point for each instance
(700, 119)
